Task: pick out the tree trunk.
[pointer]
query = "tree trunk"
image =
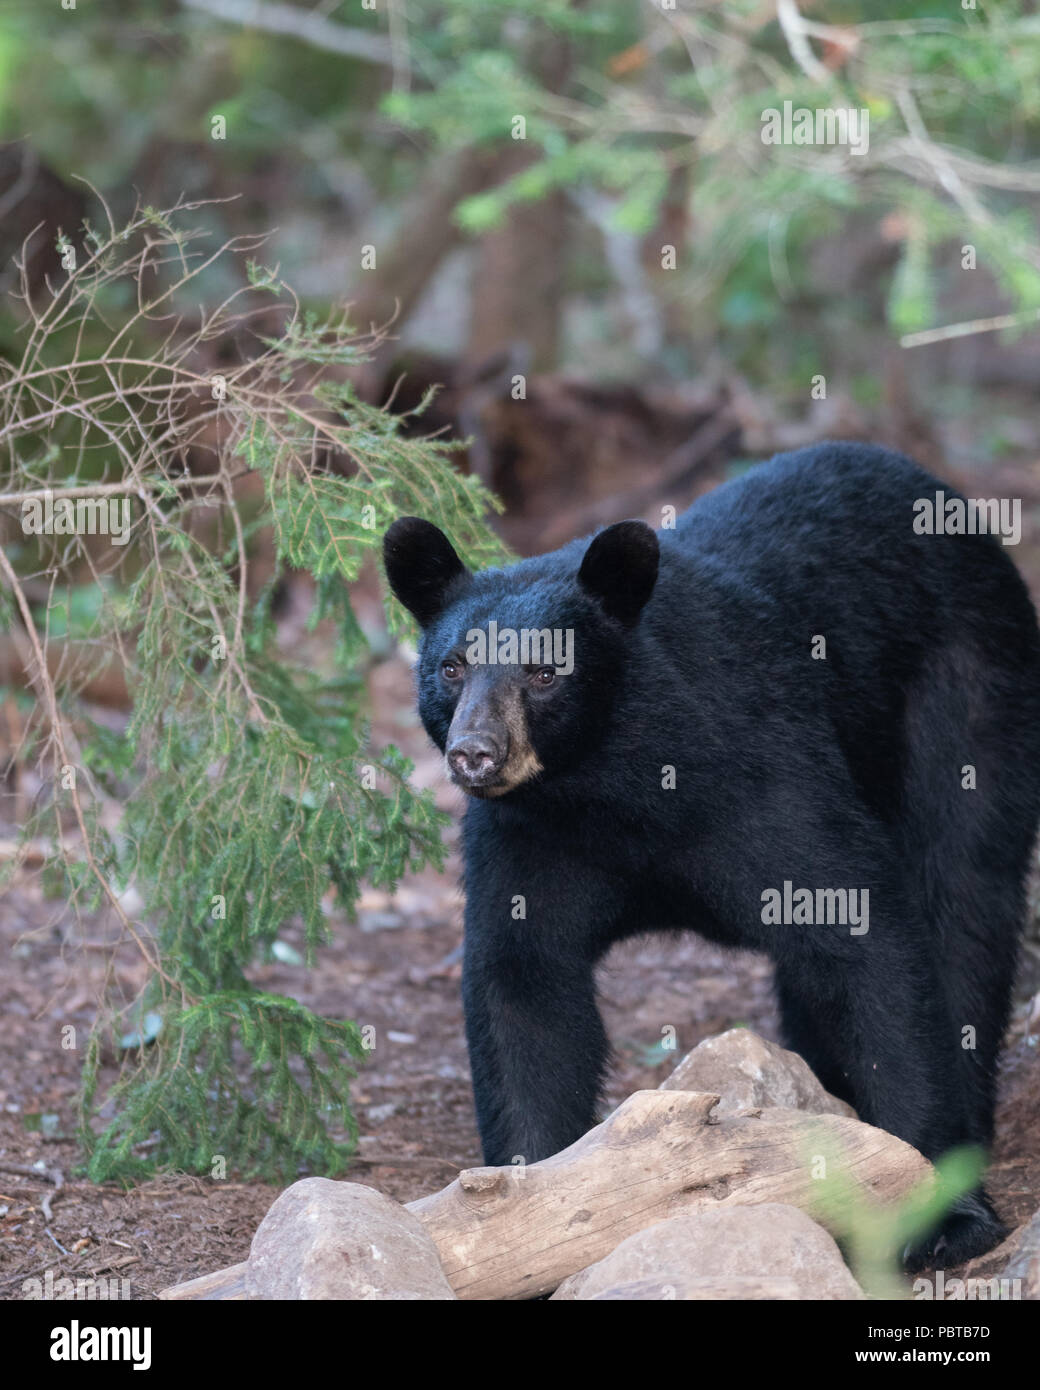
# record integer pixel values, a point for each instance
(518, 283)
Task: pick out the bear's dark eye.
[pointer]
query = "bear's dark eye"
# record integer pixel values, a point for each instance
(544, 676)
(451, 670)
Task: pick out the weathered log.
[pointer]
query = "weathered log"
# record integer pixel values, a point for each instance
(518, 1232)
(227, 1283)
(509, 1233)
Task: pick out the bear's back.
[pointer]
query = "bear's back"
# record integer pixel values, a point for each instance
(827, 533)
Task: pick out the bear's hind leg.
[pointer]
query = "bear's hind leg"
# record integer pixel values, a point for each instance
(880, 1036)
(969, 819)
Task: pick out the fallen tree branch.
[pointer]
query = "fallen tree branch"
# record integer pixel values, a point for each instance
(518, 1232)
(678, 468)
(26, 1170)
(306, 25)
(968, 327)
(794, 31)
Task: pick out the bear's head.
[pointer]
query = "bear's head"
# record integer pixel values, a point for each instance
(518, 667)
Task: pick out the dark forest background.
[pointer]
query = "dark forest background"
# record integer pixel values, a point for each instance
(339, 127)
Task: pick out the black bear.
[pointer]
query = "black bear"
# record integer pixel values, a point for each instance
(805, 720)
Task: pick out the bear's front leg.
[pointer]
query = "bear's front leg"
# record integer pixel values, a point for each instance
(538, 1050)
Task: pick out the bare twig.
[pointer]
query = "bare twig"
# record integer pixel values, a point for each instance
(308, 27)
(121, 489)
(967, 328)
(27, 1170)
(934, 155)
(40, 677)
(794, 31)
(56, 1241)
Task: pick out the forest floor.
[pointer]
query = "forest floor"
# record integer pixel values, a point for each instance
(413, 1101)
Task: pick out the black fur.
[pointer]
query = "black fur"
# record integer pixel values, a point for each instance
(844, 772)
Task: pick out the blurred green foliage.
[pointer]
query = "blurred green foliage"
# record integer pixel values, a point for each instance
(619, 99)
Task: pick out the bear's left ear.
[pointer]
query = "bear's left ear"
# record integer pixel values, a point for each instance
(620, 569)
(420, 565)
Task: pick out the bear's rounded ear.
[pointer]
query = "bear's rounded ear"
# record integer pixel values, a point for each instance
(620, 569)
(420, 566)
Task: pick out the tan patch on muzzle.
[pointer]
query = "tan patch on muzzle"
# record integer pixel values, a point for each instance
(522, 762)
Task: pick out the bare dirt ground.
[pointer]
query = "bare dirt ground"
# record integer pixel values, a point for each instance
(413, 1098)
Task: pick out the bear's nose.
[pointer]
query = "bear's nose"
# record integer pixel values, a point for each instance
(474, 758)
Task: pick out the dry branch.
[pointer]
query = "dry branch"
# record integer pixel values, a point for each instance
(516, 1233)
(306, 25)
(229, 1283)
(510, 1233)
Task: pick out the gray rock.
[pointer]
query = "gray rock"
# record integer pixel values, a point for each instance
(770, 1246)
(687, 1290)
(747, 1072)
(1025, 1264)
(342, 1240)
